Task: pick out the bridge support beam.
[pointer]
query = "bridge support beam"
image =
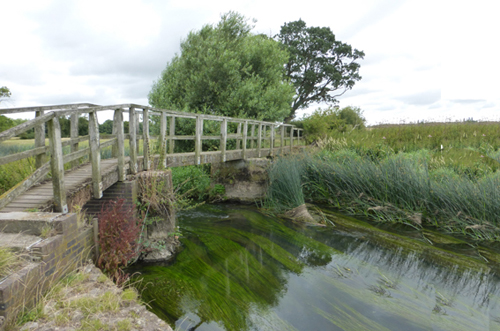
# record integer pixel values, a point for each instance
(57, 166)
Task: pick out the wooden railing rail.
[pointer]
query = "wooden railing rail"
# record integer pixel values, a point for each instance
(248, 134)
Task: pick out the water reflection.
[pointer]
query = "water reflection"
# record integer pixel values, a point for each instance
(241, 270)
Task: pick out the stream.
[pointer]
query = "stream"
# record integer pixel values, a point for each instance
(241, 270)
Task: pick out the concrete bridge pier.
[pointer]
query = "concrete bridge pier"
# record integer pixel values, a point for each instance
(244, 180)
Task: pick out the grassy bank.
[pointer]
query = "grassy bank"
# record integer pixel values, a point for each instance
(403, 187)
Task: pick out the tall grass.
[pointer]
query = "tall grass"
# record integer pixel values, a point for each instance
(285, 184)
(400, 185)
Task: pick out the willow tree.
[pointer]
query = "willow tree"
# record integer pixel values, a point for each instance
(225, 69)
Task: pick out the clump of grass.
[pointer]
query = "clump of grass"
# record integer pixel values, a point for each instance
(8, 261)
(285, 183)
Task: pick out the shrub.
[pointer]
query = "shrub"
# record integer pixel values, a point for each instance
(119, 231)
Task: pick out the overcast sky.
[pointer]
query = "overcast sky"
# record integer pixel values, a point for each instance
(425, 59)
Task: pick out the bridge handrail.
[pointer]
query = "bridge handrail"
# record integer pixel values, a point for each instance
(287, 132)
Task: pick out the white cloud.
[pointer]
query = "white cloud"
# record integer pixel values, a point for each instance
(420, 54)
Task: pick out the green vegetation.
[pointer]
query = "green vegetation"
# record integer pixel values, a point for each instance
(320, 67)
(225, 69)
(401, 174)
(72, 296)
(285, 186)
(322, 122)
(8, 261)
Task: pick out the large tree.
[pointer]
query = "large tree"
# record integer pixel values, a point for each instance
(225, 69)
(320, 67)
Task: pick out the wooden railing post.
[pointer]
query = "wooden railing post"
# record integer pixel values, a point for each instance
(114, 148)
(137, 133)
(259, 139)
(245, 135)
(282, 133)
(95, 155)
(74, 135)
(252, 134)
(145, 137)
(291, 138)
(162, 163)
(197, 139)
(40, 141)
(132, 140)
(171, 134)
(223, 139)
(120, 144)
(57, 165)
(238, 132)
(271, 141)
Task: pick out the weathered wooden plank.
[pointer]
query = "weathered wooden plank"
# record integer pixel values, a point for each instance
(23, 127)
(171, 135)
(110, 142)
(271, 141)
(282, 137)
(40, 141)
(146, 144)
(162, 138)
(57, 165)
(23, 186)
(42, 108)
(132, 141)
(74, 135)
(137, 131)
(197, 141)
(245, 134)
(76, 155)
(122, 174)
(114, 149)
(252, 134)
(74, 141)
(238, 132)
(95, 155)
(223, 139)
(259, 139)
(23, 155)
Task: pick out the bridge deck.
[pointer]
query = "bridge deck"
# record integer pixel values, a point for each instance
(42, 195)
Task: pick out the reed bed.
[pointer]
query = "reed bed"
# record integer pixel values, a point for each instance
(399, 188)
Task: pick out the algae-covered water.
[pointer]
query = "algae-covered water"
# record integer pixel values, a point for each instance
(242, 270)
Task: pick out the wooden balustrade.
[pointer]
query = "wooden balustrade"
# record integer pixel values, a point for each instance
(253, 137)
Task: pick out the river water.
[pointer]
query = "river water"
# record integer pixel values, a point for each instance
(242, 270)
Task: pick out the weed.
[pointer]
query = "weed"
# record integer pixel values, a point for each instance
(119, 231)
(9, 261)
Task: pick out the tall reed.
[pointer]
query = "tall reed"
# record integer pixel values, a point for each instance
(285, 183)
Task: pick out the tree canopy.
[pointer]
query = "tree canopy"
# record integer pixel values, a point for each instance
(320, 67)
(225, 69)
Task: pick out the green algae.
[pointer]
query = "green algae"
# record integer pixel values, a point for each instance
(241, 270)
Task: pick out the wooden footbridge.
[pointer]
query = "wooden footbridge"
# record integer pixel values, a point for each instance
(216, 139)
